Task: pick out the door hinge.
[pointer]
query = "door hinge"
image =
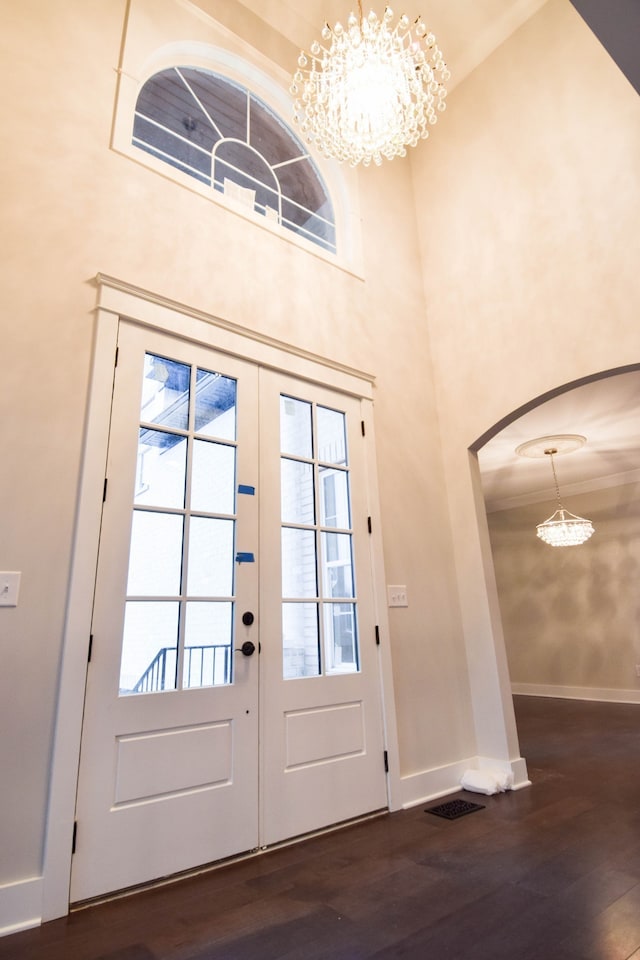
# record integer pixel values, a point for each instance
(90, 648)
(369, 525)
(386, 761)
(75, 837)
(104, 490)
(116, 360)
(362, 428)
(377, 635)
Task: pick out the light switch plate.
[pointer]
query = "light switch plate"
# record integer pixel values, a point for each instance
(397, 595)
(9, 588)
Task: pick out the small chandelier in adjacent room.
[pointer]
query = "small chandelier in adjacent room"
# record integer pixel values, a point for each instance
(370, 90)
(561, 529)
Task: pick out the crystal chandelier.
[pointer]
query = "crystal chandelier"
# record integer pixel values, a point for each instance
(563, 529)
(370, 90)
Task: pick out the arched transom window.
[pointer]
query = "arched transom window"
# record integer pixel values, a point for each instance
(221, 134)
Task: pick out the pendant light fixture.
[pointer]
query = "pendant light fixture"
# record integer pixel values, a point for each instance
(561, 529)
(369, 90)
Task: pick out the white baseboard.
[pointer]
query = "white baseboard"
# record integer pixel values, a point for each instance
(432, 784)
(517, 768)
(442, 781)
(20, 905)
(607, 695)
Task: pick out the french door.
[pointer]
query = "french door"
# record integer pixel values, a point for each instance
(233, 697)
(322, 755)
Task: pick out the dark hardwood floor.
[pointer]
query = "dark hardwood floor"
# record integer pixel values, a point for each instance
(551, 872)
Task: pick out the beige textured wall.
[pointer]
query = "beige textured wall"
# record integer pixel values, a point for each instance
(72, 208)
(529, 230)
(572, 617)
(530, 223)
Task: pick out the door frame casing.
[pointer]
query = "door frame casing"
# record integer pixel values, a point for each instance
(115, 300)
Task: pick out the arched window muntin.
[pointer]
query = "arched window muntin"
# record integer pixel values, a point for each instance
(190, 117)
(242, 176)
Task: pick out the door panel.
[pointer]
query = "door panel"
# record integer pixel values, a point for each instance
(169, 764)
(323, 745)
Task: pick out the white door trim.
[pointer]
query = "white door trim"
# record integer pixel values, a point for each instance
(115, 299)
(169, 316)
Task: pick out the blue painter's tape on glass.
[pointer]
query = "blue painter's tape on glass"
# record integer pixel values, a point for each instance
(245, 558)
(243, 488)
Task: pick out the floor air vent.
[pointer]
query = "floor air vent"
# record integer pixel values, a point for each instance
(454, 809)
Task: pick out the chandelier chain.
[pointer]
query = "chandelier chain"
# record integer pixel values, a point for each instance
(555, 478)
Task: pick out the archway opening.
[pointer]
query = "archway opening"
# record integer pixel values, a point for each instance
(569, 616)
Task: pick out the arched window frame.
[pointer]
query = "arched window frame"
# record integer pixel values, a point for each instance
(225, 136)
(242, 64)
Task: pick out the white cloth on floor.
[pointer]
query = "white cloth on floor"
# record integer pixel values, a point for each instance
(486, 781)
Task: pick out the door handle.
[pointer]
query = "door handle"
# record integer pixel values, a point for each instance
(247, 649)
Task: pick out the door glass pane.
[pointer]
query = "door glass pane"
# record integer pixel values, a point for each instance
(208, 645)
(210, 570)
(162, 459)
(299, 563)
(176, 552)
(332, 440)
(337, 569)
(213, 481)
(165, 392)
(297, 492)
(295, 427)
(300, 640)
(149, 647)
(155, 557)
(334, 498)
(340, 640)
(215, 405)
(316, 436)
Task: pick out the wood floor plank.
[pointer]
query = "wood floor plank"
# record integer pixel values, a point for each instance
(615, 932)
(551, 872)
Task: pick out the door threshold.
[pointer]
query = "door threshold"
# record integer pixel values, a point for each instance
(373, 815)
(218, 864)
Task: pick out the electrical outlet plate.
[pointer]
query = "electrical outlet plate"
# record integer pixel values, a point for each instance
(9, 588)
(397, 595)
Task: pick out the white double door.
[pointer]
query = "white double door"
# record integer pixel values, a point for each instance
(233, 691)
